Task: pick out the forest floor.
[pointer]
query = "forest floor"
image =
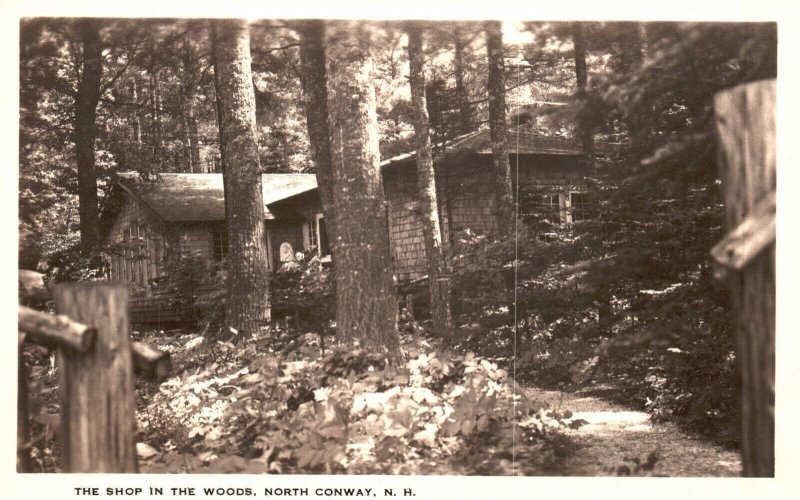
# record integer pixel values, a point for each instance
(205, 418)
(617, 439)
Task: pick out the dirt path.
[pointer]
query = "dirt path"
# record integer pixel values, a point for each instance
(615, 436)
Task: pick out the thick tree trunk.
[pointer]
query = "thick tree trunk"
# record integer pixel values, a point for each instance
(366, 296)
(582, 80)
(462, 96)
(504, 198)
(315, 96)
(96, 387)
(247, 284)
(426, 186)
(745, 122)
(85, 132)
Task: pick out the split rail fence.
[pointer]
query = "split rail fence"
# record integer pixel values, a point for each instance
(96, 361)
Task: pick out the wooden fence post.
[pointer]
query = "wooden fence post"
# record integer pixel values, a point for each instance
(96, 387)
(745, 123)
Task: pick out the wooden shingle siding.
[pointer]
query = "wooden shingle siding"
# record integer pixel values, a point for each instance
(135, 259)
(405, 225)
(466, 201)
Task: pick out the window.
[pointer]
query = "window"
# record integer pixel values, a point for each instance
(550, 207)
(313, 233)
(317, 236)
(219, 244)
(579, 203)
(550, 202)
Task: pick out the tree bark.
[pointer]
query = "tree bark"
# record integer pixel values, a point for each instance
(367, 307)
(96, 387)
(86, 131)
(504, 198)
(315, 96)
(247, 284)
(462, 96)
(582, 80)
(745, 123)
(426, 186)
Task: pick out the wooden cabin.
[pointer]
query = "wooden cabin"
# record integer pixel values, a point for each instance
(154, 224)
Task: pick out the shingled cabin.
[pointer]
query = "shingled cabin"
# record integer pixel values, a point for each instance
(176, 216)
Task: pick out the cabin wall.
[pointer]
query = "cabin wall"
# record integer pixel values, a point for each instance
(466, 200)
(405, 223)
(136, 243)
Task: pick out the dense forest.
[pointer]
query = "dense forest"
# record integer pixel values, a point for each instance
(322, 366)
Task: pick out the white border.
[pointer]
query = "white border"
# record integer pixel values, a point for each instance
(785, 13)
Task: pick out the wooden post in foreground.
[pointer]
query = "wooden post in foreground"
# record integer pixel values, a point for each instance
(745, 122)
(96, 387)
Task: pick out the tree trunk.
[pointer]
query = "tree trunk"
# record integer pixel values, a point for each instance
(218, 107)
(366, 297)
(745, 121)
(582, 80)
(85, 132)
(315, 95)
(155, 102)
(504, 199)
(194, 145)
(137, 116)
(632, 48)
(462, 96)
(187, 140)
(96, 387)
(247, 284)
(426, 186)
(188, 108)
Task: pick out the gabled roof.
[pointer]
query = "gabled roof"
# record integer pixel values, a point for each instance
(199, 197)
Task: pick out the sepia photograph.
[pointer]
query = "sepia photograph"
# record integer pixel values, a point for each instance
(390, 247)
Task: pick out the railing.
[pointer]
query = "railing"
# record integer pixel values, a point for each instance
(96, 361)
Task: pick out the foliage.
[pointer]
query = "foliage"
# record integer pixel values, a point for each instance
(303, 292)
(196, 289)
(345, 411)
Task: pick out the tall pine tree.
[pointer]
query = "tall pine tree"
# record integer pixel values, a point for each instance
(504, 198)
(366, 295)
(426, 186)
(86, 131)
(247, 285)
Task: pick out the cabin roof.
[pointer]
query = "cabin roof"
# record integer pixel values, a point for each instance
(199, 197)
(519, 142)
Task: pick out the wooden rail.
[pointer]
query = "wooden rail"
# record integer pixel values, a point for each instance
(96, 362)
